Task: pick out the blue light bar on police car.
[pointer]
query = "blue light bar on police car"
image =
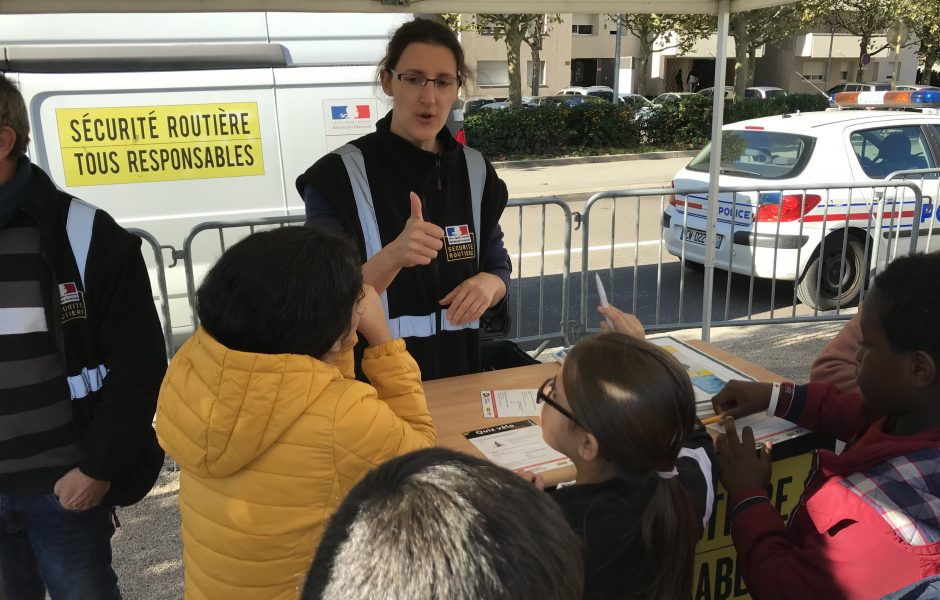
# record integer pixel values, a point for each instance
(915, 99)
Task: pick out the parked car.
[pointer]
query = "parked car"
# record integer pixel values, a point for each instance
(540, 100)
(454, 122)
(591, 90)
(495, 106)
(710, 92)
(852, 86)
(641, 105)
(764, 92)
(635, 100)
(570, 100)
(475, 102)
(671, 97)
(798, 233)
(913, 87)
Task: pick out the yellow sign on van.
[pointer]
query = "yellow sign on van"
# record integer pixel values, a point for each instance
(137, 144)
(717, 569)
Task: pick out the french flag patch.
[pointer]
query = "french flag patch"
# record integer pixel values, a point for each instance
(457, 234)
(351, 112)
(68, 292)
(457, 230)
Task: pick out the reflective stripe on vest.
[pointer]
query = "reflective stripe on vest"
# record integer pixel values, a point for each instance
(409, 325)
(79, 226)
(87, 381)
(476, 170)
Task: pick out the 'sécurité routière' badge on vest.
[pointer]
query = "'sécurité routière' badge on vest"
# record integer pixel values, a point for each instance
(73, 302)
(458, 243)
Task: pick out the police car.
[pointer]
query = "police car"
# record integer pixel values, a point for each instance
(801, 228)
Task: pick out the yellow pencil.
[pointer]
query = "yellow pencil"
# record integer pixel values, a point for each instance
(710, 420)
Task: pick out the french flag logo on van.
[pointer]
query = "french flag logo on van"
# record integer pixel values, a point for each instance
(352, 112)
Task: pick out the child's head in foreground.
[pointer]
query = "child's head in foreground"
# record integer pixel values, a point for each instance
(291, 290)
(439, 524)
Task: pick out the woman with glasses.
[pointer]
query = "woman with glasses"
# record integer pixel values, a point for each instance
(623, 410)
(423, 209)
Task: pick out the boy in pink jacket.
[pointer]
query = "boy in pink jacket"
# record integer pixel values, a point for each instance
(868, 522)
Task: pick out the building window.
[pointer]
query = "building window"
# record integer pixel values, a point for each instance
(814, 71)
(492, 72)
(528, 74)
(583, 24)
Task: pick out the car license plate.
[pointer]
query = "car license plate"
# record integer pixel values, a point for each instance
(697, 236)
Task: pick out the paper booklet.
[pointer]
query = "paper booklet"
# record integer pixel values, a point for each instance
(517, 446)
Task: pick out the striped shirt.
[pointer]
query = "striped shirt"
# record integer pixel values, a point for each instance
(38, 440)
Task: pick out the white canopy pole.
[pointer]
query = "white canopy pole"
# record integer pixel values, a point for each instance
(714, 167)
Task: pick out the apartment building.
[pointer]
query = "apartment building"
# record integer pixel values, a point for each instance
(580, 51)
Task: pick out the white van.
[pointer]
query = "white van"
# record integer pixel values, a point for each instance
(171, 120)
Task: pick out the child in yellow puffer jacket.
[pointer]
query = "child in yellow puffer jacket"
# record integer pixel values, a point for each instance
(262, 413)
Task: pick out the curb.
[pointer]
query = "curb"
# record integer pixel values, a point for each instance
(604, 158)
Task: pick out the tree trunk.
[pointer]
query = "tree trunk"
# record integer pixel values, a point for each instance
(741, 44)
(862, 50)
(640, 73)
(930, 58)
(751, 65)
(513, 50)
(536, 59)
(536, 70)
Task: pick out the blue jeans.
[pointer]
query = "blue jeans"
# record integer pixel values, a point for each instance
(44, 546)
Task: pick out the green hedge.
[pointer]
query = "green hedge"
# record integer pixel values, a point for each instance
(600, 128)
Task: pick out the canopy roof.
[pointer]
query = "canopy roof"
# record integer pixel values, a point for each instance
(422, 6)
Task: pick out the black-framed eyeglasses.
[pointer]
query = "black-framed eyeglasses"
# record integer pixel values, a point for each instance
(442, 83)
(544, 395)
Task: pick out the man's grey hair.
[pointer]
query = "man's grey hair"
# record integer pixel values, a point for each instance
(439, 524)
(13, 115)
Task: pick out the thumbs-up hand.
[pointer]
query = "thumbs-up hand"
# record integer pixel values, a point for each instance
(416, 210)
(420, 241)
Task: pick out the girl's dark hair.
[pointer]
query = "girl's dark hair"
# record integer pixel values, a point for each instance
(290, 290)
(638, 402)
(424, 31)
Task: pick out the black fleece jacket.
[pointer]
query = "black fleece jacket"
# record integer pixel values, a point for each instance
(120, 331)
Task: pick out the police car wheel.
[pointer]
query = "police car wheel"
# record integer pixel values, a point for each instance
(840, 282)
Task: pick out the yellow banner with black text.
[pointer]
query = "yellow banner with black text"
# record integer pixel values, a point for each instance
(137, 144)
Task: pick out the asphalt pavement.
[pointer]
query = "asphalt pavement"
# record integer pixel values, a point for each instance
(147, 548)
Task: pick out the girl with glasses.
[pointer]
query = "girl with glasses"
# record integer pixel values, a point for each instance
(623, 410)
(423, 209)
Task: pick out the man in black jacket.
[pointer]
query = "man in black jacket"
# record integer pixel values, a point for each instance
(81, 361)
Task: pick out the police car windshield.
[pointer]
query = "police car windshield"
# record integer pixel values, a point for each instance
(758, 154)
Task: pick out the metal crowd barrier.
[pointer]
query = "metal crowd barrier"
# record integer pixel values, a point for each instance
(163, 300)
(666, 274)
(521, 217)
(639, 273)
(532, 216)
(248, 227)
